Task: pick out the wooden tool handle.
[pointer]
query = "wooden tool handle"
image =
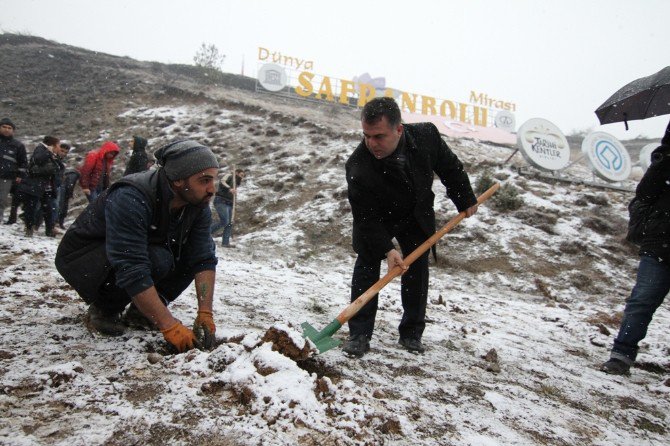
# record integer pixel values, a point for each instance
(364, 298)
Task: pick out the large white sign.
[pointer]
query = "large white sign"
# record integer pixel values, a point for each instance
(608, 158)
(543, 144)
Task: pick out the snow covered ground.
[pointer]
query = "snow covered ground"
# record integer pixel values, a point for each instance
(523, 307)
(504, 365)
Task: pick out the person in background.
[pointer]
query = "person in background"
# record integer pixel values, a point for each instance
(653, 274)
(13, 164)
(61, 152)
(144, 241)
(38, 188)
(139, 160)
(223, 204)
(97, 169)
(390, 178)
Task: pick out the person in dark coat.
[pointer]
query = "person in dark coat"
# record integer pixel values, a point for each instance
(144, 240)
(139, 160)
(223, 204)
(390, 178)
(38, 189)
(653, 275)
(61, 150)
(13, 163)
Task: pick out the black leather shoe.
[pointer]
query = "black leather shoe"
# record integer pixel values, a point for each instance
(356, 345)
(615, 367)
(109, 324)
(412, 345)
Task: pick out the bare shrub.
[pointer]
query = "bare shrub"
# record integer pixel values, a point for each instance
(507, 198)
(484, 182)
(539, 219)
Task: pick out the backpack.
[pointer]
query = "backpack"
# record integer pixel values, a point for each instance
(638, 213)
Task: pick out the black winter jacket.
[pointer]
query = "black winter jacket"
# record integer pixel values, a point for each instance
(654, 188)
(13, 158)
(90, 247)
(383, 205)
(42, 171)
(139, 159)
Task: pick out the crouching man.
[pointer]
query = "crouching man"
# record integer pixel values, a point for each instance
(144, 240)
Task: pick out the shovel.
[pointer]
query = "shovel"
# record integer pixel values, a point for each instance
(323, 340)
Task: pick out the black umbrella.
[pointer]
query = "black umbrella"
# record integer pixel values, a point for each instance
(643, 98)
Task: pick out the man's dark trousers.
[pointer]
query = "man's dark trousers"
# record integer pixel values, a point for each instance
(169, 282)
(414, 289)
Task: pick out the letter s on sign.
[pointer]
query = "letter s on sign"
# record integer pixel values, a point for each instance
(305, 80)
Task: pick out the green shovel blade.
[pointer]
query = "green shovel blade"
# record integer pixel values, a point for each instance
(322, 339)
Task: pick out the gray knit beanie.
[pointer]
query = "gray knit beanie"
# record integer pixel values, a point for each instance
(181, 159)
(7, 121)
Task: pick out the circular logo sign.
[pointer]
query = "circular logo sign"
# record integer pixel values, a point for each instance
(608, 158)
(645, 155)
(543, 144)
(505, 120)
(272, 77)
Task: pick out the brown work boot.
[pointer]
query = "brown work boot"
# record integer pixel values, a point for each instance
(105, 323)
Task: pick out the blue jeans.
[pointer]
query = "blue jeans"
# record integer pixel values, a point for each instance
(653, 284)
(225, 211)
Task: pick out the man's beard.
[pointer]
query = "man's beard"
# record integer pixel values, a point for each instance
(187, 197)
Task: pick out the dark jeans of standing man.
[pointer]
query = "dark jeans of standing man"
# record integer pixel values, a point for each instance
(30, 204)
(225, 212)
(169, 283)
(414, 289)
(653, 284)
(5, 198)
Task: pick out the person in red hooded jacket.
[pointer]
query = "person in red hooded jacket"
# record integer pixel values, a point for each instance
(96, 170)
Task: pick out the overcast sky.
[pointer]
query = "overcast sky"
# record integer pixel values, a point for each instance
(557, 59)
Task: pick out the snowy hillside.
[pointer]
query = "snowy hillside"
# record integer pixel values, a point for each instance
(525, 297)
(523, 307)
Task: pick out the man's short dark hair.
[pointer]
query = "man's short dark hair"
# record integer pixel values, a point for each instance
(65, 146)
(377, 108)
(50, 140)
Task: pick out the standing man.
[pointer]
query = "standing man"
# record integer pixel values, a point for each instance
(223, 203)
(37, 191)
(13, 162)
(390, 178)
(144, 241)
(97, 169)
(653, 274)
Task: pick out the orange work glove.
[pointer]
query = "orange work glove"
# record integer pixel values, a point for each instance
(204, 329)
(206, 320)
(179, 336)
